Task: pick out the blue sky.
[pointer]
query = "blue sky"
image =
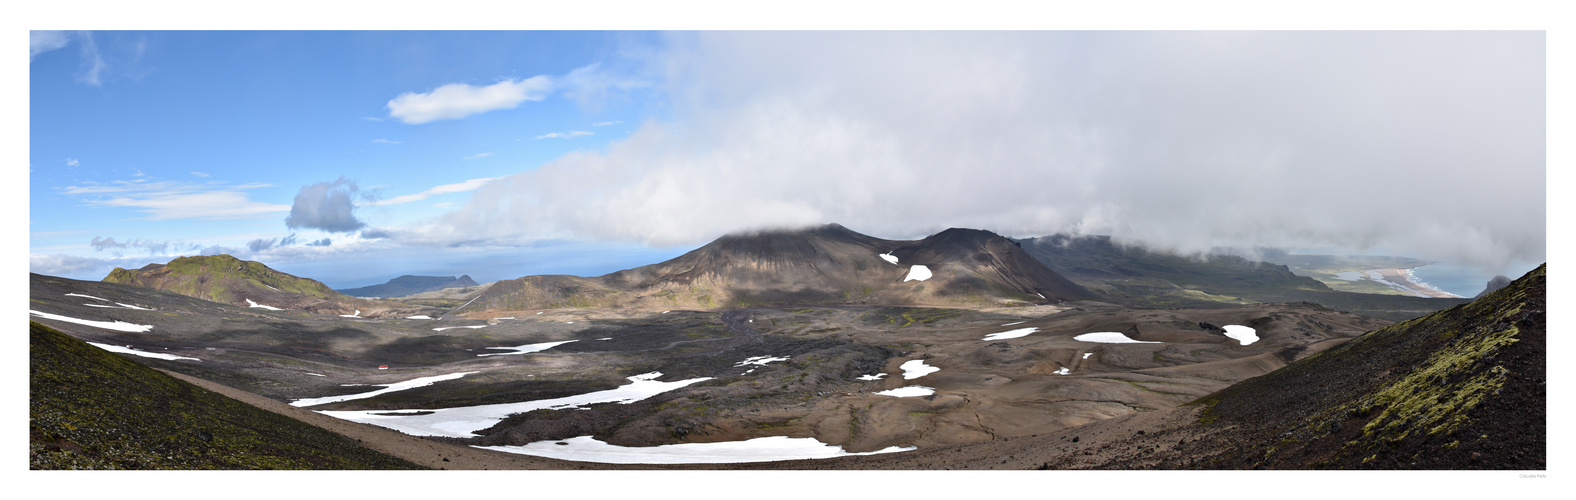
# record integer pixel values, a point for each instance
(147, 145)
(355, 157)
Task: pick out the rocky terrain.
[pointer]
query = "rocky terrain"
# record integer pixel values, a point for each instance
(994, 360)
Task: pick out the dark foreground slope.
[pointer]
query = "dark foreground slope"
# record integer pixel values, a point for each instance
(90, 409)
(1463, 388)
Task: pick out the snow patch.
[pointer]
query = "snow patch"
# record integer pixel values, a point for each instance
(439, 329)
(759, 360)
(1063, 371)
(909, 392)
(917, 273)
(762, 449)
(249, 303)
(356, 315)
(145, 354)
(87, 296)
(889, 258)
(1242, 334)
(1087, 354)
(316, 374)
(871, 377)
(1012, 334)
(606, 338)
(120, 326)
(1110, 338)
(506, 317)
(1014, 323)
(528, 348)
(917, 368)
(387, 388)
(462, 421)
(419, 316)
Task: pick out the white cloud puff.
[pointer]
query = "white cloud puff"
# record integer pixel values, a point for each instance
(459, 100)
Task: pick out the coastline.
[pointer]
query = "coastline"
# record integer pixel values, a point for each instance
(1401, 279)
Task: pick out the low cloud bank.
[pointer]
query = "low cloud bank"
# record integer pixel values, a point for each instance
(1188, 141)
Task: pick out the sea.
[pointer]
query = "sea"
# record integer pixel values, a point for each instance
(1466, 281)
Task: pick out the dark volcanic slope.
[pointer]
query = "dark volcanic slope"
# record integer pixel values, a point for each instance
(90, 409)
(1462, 388)
(228, 280)
(410, 285)
(990, 262)
(829, 264)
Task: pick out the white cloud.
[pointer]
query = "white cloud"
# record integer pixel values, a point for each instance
(458, 187)
(477, 156)
(1186, 139)
(200, 174)
(71, 162)
(459, 100)
(604, 124)
(565, 135)
(167, 200)
(40, 42)
(385, 141)
(92, 61)
(326, 206)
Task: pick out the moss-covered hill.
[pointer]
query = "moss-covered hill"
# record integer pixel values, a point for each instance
(220, 278)
(90, 409)
(228, 280)
(1462, 388)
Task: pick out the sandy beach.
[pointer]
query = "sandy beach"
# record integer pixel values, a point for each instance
(1402, 278)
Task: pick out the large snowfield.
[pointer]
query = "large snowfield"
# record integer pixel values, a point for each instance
(398, 386)
(145, 354)
(762, 449)
(528, 348)
(119, 326)
(1110, 338)
(463, 421)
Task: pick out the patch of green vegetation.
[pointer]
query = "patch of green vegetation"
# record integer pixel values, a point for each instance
(1426, 400)
(90, 409)
(908, 316)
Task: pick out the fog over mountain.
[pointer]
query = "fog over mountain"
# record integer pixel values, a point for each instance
(1188, 140)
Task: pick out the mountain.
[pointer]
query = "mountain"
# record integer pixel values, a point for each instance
(828, 264)
(410, 285)
(228, 280)
(1139, 277)
(1494, 283)
(90, 409)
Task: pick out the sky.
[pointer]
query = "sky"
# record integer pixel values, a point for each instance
(353, 157)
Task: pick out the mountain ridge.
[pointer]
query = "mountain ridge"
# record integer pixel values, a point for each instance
(825, 264)
(409, 285)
